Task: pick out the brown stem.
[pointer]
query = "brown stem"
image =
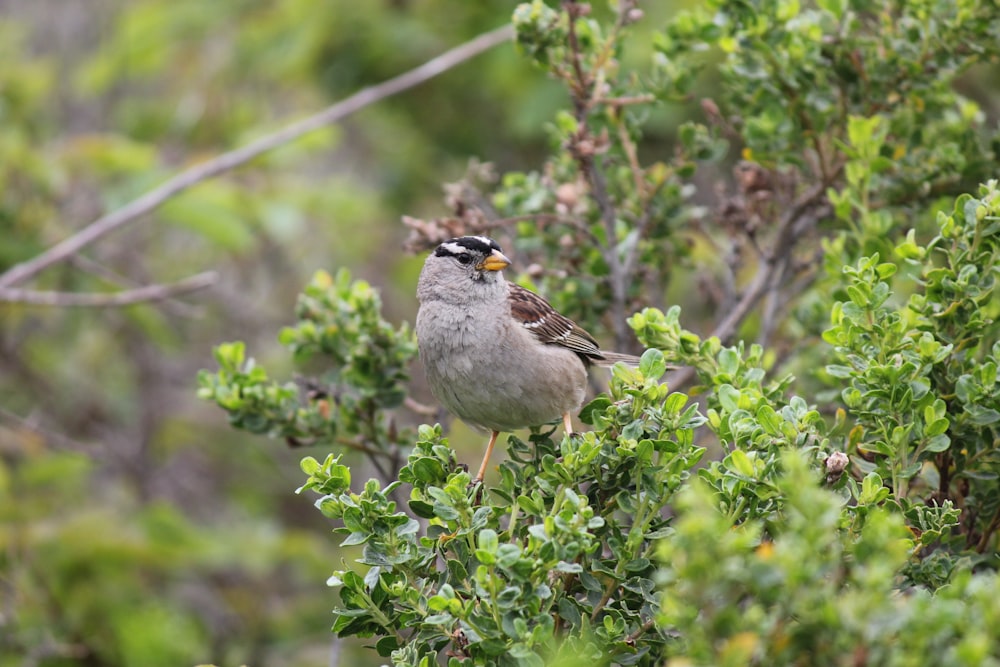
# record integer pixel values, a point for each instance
(127, 297)
(52, 438)
(609, 589)
(419, 408)
(642, 629)
(987, 535)
(792, 225)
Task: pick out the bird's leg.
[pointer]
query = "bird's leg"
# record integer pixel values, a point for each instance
(486, 458)
(568, 424)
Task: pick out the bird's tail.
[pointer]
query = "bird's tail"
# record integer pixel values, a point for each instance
(612, 358)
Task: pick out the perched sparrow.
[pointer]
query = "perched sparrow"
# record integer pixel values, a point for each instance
(498, 356)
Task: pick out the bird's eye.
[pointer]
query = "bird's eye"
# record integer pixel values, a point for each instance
(464, 259)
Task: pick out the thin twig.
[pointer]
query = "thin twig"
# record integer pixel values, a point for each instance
(419, 408)
(57, 439)
(229, 161)
(641, 630)
(768, 320)
(633, 160)
(987, 535)
(87, 265)
(627, 101)
(796, 221)
(127, 297)
(790, 229)
(632, 254)
(608, 591)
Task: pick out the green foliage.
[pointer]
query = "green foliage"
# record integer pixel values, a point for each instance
(560, 549)
(794, 74)
(340, 321)
(921, 377)
(115, 584)
(749, 413)
(815, 591)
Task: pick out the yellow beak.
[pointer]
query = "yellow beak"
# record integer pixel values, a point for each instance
(495, 262)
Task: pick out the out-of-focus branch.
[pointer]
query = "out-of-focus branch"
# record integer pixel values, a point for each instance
(87, 265)
(228, 161)
(801, 217)
(793, 224)
(127, 297)
(51, 437)
(419, 408)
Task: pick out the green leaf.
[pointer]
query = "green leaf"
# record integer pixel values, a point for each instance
(729, 397)
(740, 463)
(675, 403)
(355, 538)
(422, 508)
(309, 465)
(872, 490)
(982, 416)
(597, 406)
(769, 419)
(488, 540)
(428, 470)
(938, 443)
(568, 568)
(652, 364)
(937, 427)
(386, 645)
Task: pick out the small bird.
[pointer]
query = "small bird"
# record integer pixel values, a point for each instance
(497, 356)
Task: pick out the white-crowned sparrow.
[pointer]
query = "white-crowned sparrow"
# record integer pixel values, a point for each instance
(498, 356)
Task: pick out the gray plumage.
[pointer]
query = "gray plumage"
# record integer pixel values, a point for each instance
(497, 356)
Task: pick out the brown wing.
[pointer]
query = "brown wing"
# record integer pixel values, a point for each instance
(548, 325)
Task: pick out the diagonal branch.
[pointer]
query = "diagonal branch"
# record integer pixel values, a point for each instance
(51, 437)
(228, 161)
(127, 297)
(173, 306)
(804, 214)
(794, 223)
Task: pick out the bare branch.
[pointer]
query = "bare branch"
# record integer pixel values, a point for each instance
(51, 437)
(146, 294)
(802, 216)
(419, 408)
(792, 226)
(173, 306)
(228, 161)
